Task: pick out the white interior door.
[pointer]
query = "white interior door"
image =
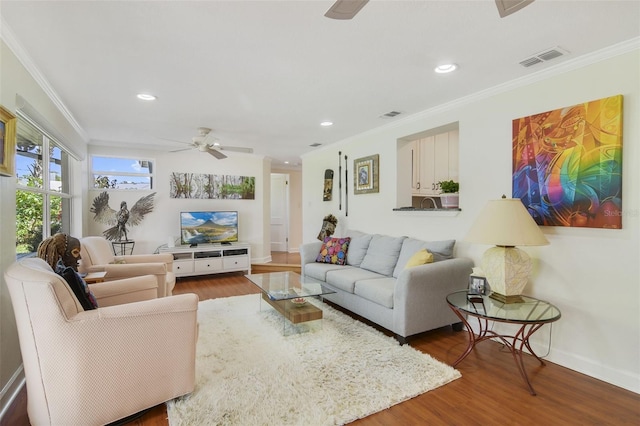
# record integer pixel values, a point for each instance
(279, 212)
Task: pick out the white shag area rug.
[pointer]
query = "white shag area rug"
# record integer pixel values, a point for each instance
(248, 373)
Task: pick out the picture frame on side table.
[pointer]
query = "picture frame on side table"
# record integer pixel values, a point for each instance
(7, 142)
(366, 175)
(477, 285)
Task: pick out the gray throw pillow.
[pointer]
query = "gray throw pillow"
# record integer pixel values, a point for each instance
(358, 247)
(441, 250)
(382, 254)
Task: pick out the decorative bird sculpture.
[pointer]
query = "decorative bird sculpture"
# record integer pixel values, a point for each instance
(118, 220)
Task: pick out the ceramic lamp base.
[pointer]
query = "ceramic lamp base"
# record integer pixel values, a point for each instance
(506, 299)
(507, 270)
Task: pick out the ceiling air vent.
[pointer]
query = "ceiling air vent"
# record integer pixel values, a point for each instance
(315, 144)
(544, 56)
(390, 114)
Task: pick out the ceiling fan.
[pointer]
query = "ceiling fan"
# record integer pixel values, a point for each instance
(347, 9)
(205, 142)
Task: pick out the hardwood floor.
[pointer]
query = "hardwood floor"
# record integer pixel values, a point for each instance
(280, 261)
(489, 392)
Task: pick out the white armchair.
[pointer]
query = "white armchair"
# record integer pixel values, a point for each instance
(98, 366)
(97, 255)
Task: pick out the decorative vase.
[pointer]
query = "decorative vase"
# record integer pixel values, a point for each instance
(449, 201)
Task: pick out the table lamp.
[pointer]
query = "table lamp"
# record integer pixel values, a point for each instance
(506, 224)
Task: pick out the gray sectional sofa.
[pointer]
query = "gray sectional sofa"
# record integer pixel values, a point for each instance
(376, 284)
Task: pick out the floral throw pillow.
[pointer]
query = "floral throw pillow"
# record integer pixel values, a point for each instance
(334, 250)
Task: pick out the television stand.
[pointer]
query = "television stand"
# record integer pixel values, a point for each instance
(205, 259)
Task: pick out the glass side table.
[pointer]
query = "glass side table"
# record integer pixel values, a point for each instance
(530, 314)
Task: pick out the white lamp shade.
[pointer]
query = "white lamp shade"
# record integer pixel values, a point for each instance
(506, 222)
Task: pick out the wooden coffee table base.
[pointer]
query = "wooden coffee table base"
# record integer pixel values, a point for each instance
(295, 313)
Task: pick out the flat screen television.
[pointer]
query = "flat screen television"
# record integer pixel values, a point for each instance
(208, 227)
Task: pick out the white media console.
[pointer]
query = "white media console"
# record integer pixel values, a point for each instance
(209, 259)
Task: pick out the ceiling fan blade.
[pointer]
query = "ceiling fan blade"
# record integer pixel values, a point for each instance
(182, 149)
(345, 9)
(216, 153)
(507, 7)
(174, 140)
(235, 149)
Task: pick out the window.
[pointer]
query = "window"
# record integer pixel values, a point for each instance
(43, 199)
(121, 173)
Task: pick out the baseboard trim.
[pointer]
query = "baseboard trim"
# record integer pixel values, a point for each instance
(623, 379)
(11, 391)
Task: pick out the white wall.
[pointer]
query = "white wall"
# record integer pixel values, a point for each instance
(592, 275)
(164, 220)
(15, 80)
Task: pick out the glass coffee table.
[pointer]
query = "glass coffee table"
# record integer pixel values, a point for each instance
(288, 293)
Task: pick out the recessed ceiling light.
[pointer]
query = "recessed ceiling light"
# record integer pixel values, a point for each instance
(326, 123)
(286, 162)
(146, 97)
(445, 68)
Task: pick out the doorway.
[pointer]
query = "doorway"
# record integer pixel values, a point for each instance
(279, 212)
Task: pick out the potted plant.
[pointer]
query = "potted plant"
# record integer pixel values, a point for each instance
(449, 197)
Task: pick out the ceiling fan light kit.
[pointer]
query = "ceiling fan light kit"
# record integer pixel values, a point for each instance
(204, 142)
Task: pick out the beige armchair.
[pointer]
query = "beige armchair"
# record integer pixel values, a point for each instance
(97, 255)
(98, 366)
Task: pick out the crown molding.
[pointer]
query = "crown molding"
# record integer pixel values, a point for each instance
(7, 35)
(564, 67)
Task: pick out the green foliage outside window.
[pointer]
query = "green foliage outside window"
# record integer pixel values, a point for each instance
(30, 217)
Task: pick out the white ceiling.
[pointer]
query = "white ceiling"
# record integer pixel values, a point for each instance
(264, 74)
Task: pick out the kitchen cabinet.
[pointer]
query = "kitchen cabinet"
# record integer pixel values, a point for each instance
(434, 159)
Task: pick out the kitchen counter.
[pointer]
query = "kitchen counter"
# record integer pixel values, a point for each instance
(417, 209)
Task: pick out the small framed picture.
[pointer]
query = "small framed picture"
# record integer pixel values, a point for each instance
(477, 285)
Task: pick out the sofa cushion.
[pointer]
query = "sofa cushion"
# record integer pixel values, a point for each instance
(441, 250)
(345, 279)
(334, 250)
(382, 254)
(419, 258)
(379, 291)
(358, 247)
(319, 270)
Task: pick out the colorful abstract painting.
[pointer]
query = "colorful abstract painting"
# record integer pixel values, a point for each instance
(567, 164)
